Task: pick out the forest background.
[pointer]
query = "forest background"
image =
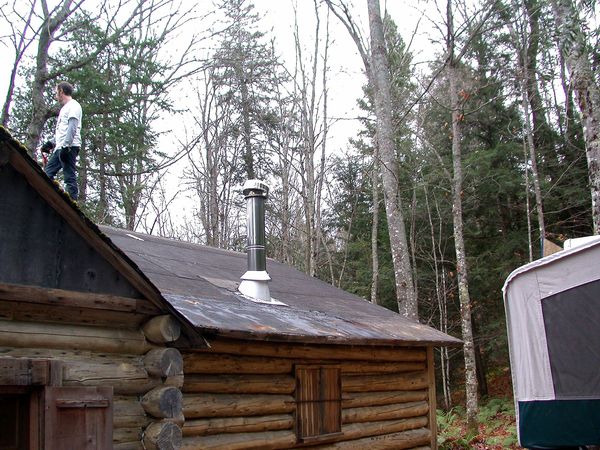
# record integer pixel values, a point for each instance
(416, 154)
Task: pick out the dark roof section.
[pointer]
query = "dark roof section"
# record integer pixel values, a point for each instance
(15, 154)
(201, 282)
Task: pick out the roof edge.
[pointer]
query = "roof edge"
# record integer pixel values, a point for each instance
(565, 253)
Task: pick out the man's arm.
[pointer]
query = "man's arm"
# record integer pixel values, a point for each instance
(71, 128)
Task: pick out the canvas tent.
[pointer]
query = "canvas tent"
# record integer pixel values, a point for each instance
(553, 319)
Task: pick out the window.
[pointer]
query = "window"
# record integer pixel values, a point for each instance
(318, 402)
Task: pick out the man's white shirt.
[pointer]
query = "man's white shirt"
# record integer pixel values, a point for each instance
(71, 109)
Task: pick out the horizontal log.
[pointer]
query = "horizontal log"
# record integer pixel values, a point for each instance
(361, 430)
(385, 412)
(163, 402)
(228, 405)
(164, 362)
(358, 399)
(238, 441)
(30, 303)
(232, 364)
(73, 299)
(303, 351)
(240, 384)
(389, 382)
(128, 412)
(125, 373)
(69, 315)
(397, 441)
(125, 376)
(368, 367)
(135, 445)
(162, 329)
(69, 337)
(162, 435)
(175, 381)
(129, 434)
(205, 427)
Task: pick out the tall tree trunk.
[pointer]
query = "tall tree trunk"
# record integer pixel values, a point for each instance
(375, 228)
(247, 128)
(321, 174)
(40, 110)
(587, 92)
(528, 87)
(533, 161)
(540, 128)
(380, 77)
(459, 244)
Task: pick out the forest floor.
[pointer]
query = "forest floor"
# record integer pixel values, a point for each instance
(497, 428)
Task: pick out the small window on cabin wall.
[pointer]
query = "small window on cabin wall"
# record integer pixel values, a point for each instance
(318, 402)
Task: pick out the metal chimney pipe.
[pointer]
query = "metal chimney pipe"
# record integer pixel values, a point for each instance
(255, 281)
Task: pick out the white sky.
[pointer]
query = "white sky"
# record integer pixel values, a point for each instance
(346, 79)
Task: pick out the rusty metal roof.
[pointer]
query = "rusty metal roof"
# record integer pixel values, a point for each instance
(201, 282)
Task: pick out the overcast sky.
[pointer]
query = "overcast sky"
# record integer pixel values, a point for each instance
(346, 68)
(346, 76)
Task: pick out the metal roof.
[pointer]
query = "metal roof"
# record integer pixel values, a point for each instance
(201, 282)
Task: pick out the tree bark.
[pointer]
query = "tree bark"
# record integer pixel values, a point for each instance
(457, 219)
(526, 47)
(380, 77)
(375, 228)
(587, 93)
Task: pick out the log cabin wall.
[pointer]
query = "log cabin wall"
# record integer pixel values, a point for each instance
(103, 341)
(243, 396)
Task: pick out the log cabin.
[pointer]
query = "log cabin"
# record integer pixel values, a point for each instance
(115, 339)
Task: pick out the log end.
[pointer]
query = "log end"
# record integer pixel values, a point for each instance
(162, 436)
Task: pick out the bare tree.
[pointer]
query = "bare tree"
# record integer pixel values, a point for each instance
(375, 230)
(313, 130)
(529, 96)
(212, 167)
(474, 26)
(574, 47)
(20, 38)
(377, 70)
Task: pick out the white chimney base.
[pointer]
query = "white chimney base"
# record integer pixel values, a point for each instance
(255, 285)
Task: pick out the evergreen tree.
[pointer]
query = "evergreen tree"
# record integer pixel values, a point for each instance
(246, 68)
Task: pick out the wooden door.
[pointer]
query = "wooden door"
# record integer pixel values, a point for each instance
(78, 418)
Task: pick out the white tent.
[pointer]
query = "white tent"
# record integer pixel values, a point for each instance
(553, 320)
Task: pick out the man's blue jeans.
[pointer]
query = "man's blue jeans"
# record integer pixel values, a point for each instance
(64, 158)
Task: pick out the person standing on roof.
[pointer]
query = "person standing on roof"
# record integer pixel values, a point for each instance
(67, 139)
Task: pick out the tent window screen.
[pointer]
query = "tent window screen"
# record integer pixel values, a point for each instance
(318, 402)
